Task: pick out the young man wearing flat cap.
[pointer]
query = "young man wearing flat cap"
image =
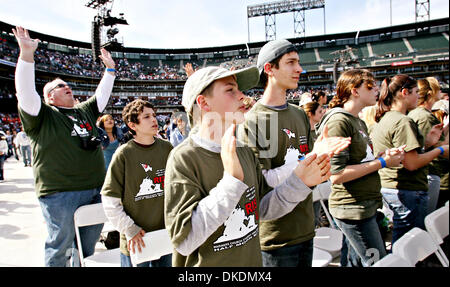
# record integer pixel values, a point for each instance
(287, 240)
(215, 193)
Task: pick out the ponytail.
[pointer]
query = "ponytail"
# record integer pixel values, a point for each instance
(347, 81)
(385, 100)
(388, 92)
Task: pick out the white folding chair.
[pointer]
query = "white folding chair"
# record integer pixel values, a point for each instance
(392, 260)
(437, 225)
(327, 239)
(321, 258)
(157, 244)
(93, 214)
(415, 246)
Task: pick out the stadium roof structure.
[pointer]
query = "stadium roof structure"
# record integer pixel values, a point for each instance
(5, 27)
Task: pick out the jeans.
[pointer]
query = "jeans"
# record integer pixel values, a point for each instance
(434, 185)
(299, 255)
(26, 154)
(363, 239)
(58, 210)
(409, 207)
(164, 261)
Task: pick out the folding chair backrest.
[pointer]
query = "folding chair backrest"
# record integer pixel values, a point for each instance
(86, 215)
(157, 244)
(414, 246)
(90, 214)
(437, 224)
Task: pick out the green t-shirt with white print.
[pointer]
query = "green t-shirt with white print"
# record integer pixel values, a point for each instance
(191, 173)
(360, 150)
(136, 176)
(283, 135)
(59, 162)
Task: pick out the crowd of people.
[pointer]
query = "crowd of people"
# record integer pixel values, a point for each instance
(74, 63)
(231, 178)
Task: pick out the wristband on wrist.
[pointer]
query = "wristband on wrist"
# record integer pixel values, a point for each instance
(301, 157)
(383, 162)
(441, 149)
(110, 70)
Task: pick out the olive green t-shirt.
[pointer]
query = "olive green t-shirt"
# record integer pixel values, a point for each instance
(394, 130)
(425, 120)
(360, 150)
(191, 173)
(282, 136)
(136, 176)
(59, 161)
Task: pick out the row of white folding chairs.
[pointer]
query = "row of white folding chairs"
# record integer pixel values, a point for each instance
(417, 244)
(94, 214)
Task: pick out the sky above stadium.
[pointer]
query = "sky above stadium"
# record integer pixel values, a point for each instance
(204, 23)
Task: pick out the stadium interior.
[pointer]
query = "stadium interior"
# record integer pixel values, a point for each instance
(419, 49)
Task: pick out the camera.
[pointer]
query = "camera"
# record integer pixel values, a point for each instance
(90, 143)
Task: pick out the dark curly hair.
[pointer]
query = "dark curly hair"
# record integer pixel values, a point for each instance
(132, 110)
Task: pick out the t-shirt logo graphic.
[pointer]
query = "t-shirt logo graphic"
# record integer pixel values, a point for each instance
(240, 227)
(292, 155)
(81, 131)
(289, 133)
(369, 148)
(148, 188)
(146, 167)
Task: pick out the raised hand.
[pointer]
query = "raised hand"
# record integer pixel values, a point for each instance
(230, 160)
(189, 70)
(314, 169)
(27, 45)
(330, 145)
(107, 59)
(433, 135)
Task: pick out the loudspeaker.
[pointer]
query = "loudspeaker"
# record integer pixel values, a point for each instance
(95, 40)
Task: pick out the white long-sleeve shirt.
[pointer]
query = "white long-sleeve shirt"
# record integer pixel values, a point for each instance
(29, 100)
(214, 209)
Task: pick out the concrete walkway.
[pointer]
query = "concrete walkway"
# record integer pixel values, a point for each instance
(22, 227)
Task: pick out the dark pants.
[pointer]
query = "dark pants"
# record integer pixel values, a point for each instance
(2, 162)
(299, 255)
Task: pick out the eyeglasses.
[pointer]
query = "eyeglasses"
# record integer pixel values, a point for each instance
(58, 86)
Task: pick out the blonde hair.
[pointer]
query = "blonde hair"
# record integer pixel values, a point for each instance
(428, 89)
(368, 115)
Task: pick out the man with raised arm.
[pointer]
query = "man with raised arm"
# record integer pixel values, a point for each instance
(68, 163)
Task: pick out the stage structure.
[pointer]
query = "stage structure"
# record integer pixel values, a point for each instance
(104, 38)
(271, 9)
(345, 59)
(422, 10)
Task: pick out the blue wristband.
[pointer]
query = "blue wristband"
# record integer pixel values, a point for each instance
(441, 149)
(301, 157)
(383, 162)
(110, 70)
